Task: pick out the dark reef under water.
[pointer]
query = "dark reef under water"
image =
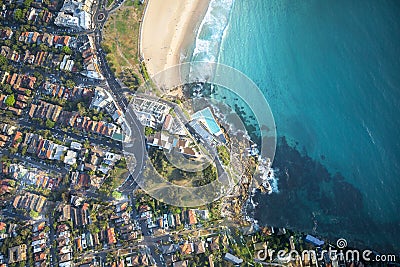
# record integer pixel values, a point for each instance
(314, 201)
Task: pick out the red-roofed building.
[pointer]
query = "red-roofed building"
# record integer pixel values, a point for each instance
(17, 139)
(111, 236)
(192, 217)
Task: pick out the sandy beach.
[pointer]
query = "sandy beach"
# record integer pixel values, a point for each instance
(168, 28)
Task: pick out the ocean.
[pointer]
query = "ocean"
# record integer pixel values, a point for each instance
(330, 71)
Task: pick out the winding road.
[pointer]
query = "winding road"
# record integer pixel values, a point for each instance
(137, 144)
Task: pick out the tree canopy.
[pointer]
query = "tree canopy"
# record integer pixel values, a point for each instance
(50, 123)
(67, 50)
(18, 14)
(70, 84)
(3, 60)
(10, 100)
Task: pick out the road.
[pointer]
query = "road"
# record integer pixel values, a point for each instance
(137, 146)
(53, 259)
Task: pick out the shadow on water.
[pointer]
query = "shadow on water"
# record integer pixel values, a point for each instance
(314, 201)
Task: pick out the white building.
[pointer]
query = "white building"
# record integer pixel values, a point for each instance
(75, 14)
(70, 157)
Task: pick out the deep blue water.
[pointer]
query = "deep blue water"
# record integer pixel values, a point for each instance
(330, 71)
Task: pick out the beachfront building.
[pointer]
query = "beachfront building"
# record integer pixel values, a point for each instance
(205, 125)
(149, 112)
(173, 143)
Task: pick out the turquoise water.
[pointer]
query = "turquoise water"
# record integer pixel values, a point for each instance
(208, 117)
(330, 71)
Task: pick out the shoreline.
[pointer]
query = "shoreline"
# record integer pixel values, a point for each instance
(168, 31)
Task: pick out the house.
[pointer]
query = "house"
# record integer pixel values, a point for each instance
(46, 16)
(111, 236)
(192, 217)
(211, 260)
(313, 240)
(200, 247)
(29, 201)
(66, 213)
(45, 110)
(187, 248)
(16, 111)
(214, 245)
(167, 122)
(233, 259)
(203, 214)
(177, 219)
(83, 180)
(76, 146)
(169, 249)
(184, 263)
(17, 139)
(70, 157)
(17, 253)
(6, 33)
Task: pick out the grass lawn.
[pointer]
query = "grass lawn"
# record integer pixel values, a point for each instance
(117, 177)
(120, 41)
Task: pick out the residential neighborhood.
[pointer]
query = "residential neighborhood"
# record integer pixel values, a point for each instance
(70, 190)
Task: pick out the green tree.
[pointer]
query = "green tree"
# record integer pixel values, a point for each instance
(148, 131)
(43, 47)
(27, 3)
(3, 60)
(223, 154)
(18, 14)
(50, 123)
(10, 100)
(38, 76)
(66, 50)
(116, 195)
(24, 149)
(33, 214)
(81, 109)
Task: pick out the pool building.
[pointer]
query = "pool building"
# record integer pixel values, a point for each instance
(205, 125)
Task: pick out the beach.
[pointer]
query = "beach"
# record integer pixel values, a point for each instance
(169, 28)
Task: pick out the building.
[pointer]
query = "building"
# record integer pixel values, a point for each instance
(17, 253)
(149, 112)
(45, 110)
(192, 217)
(70, 157)
(111, 236)
(184, 263)
(233, 259)
(168, 122)
(205, 125)
(75, 14)
(187, 248)
(200, 247)
(313, 240)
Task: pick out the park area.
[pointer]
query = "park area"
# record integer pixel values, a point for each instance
(121, 37)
